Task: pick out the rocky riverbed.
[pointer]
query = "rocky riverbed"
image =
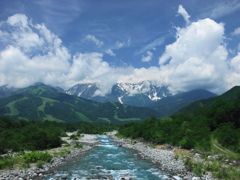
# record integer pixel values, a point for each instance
(34, 172)
(164, 159)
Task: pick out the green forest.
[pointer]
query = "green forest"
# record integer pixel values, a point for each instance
(199, 129)
(23, 135)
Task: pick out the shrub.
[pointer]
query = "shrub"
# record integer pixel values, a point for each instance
(78, 145)
(223, 174)
(37, 156)
(73, 137)
(40, 164)
(64, 134)
(4, 163)
(198, 168)
(188, 162)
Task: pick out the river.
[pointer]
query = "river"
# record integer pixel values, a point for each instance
(108, 161)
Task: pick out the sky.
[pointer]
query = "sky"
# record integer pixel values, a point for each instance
(183, 45)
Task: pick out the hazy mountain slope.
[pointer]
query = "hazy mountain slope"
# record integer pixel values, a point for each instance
(5, 91)
(169, 105)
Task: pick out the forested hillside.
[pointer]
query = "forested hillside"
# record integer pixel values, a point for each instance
(230, 95)
(217, 122)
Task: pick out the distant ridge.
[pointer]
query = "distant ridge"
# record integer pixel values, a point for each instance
(227, 96)
(169, 105)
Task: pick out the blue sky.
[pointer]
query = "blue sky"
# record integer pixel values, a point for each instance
(180, 44)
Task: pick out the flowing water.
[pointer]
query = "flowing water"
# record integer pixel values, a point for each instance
(109, 161)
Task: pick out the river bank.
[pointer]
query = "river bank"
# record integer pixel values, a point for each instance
(165, 159)
(60, 155)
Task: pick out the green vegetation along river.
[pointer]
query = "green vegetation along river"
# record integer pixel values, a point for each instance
(108, 161)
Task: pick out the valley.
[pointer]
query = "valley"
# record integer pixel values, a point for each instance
(208, 127)
(119, 90)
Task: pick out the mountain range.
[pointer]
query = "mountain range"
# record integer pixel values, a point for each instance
(41, 102)
(144, 94)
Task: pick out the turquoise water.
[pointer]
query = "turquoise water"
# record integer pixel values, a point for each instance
(109, 161)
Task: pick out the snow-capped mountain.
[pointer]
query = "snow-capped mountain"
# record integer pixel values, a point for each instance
(144, 94)
(141, 94)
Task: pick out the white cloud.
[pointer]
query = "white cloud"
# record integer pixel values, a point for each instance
(234, 77)
(18, 20)
(184, 13)
(45, 59)
(235, 63)
(148, 57)
(236, 31)
(18, 70)
(110, 52)
(142, 74)
(93, 39)
(119, 45)
(222, 8)
(197, 59)
(22, 33)
(31, 54)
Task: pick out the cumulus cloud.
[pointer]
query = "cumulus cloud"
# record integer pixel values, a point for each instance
(139, 75)
(22, 34)
(198, 57)
(32, 53)
(184, 13)
(235, 63)
(18, 20)
(93, 39)
(233, 78)
(148, 57)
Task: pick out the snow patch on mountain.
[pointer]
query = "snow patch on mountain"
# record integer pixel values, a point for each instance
(120, 99)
